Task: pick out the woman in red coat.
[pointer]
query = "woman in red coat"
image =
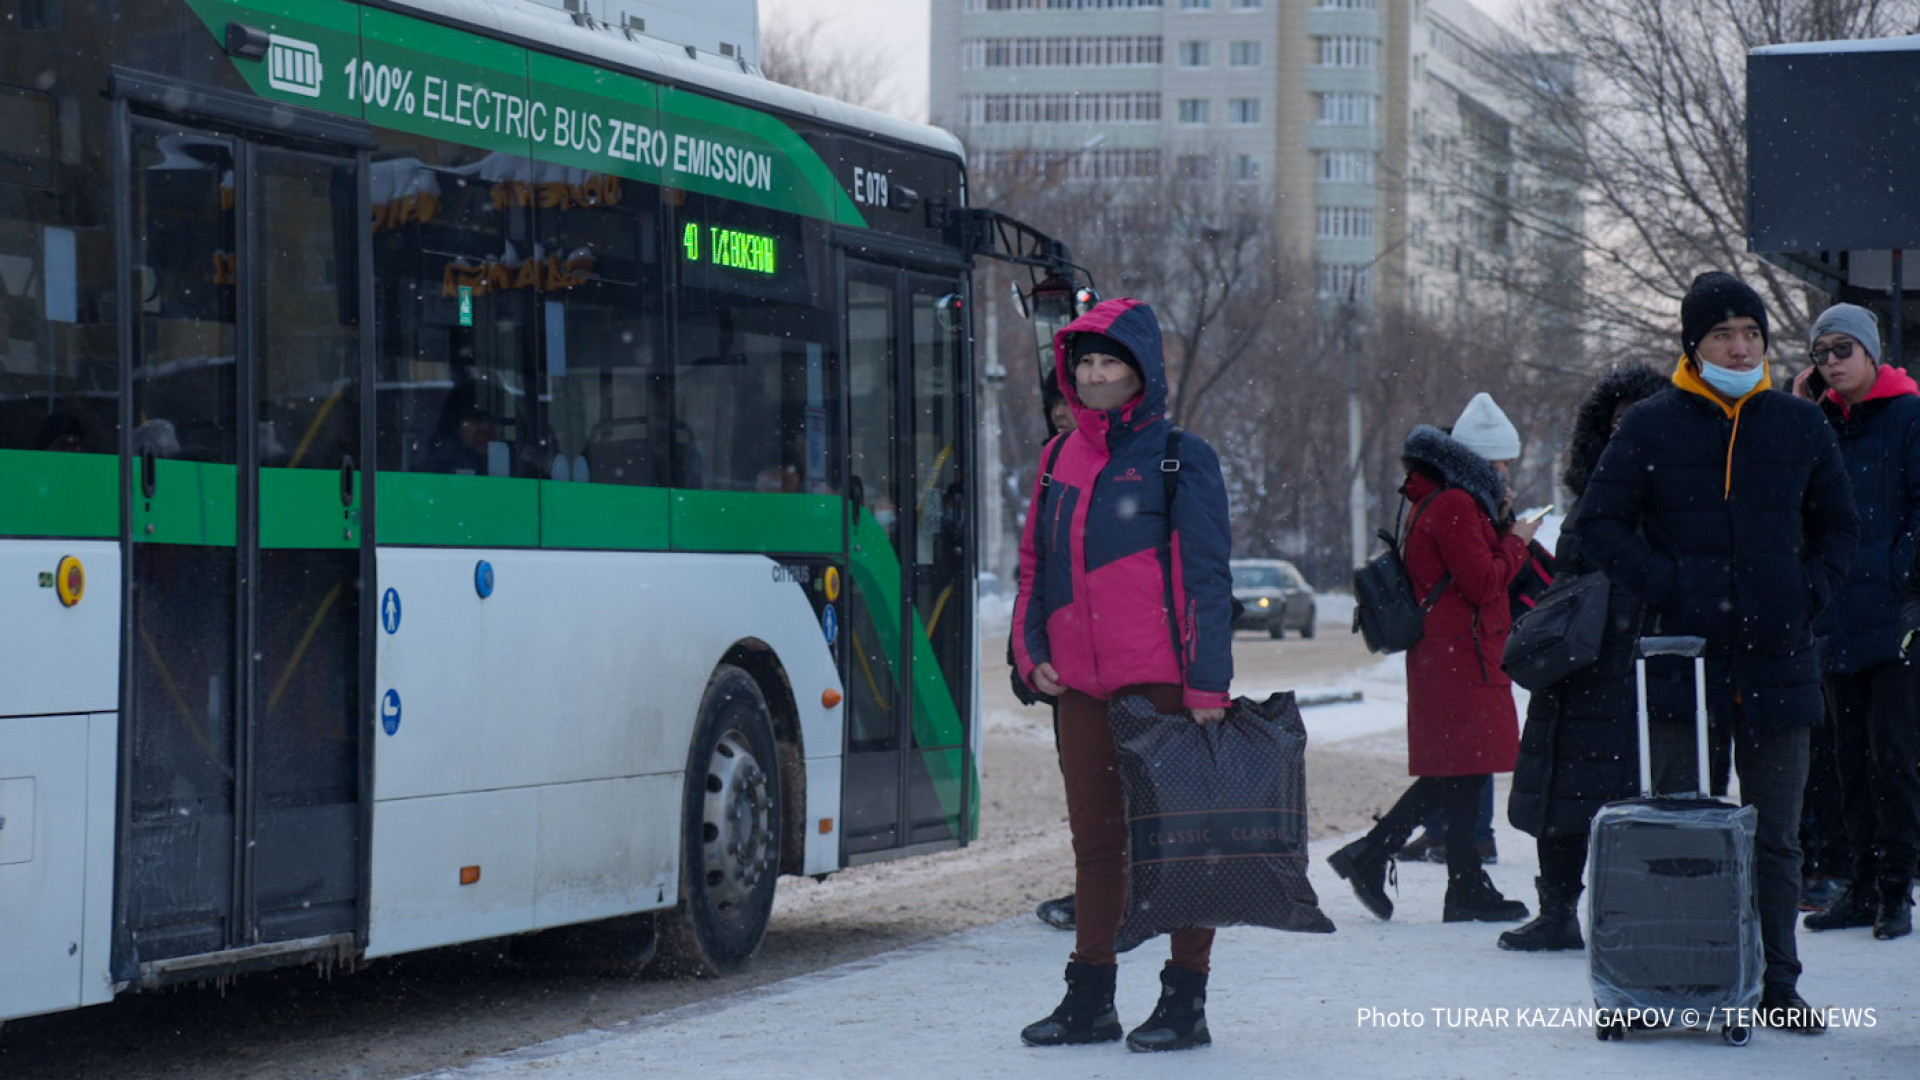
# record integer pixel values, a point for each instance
(1461, 722)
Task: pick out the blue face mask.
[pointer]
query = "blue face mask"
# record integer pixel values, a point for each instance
(1734, 384)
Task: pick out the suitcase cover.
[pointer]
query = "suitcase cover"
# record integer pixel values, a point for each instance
(1672, 916)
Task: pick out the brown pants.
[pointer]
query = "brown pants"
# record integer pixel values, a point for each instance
(1096, 814)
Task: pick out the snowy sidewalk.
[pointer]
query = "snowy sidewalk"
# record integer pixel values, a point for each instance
(1282, 1005)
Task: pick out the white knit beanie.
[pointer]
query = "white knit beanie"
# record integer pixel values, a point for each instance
(1485, 430)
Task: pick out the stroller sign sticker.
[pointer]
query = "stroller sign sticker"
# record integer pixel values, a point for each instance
(390, 712)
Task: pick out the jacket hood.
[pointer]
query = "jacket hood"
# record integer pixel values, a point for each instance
(1891, 382)
(1593, 423)
(1131, 323)
(1457, 466)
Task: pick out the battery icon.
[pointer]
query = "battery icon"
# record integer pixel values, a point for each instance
(293, 66)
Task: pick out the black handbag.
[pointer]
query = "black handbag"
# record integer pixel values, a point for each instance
(1216, 819)
(1561, 634)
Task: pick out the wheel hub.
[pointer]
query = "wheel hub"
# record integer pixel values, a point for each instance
(736, 822)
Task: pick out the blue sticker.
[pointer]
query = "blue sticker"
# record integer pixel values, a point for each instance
(830, 623)
(483, 578)
(390, 611)
(390, 712)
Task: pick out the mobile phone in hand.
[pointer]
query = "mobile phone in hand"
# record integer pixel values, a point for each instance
(1816, 385)
(1534, 517)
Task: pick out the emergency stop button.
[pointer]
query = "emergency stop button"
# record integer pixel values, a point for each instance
(70, 581)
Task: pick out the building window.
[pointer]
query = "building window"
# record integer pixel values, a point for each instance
(1346, 167)
(1196, 54)
(1045, 52)
(1349, 52)
(1243, 110)
(1453, 46)
(974, 6)
(1337, 280)
(1348, 5)
(1196, 5)
(1353, 110)
(1246, 167)
(1246, 5)
(1244, 54)
(1196, 167)
(1070, 164)
(1061, 108)
(1345, 223)
(1196, 110)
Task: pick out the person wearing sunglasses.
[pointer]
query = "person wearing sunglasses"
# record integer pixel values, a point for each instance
(1874, 409)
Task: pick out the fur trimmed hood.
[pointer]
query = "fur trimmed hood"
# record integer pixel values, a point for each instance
(1593, 423)
(1456, 466)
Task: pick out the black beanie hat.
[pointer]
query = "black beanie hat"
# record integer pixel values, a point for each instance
(1713, 298)
(1086, 341)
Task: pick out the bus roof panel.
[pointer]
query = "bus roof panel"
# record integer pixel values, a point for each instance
(555, 31)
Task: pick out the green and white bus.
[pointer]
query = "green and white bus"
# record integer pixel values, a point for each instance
(464, 471)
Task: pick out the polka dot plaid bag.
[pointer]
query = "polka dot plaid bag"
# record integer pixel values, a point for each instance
(1216, 819)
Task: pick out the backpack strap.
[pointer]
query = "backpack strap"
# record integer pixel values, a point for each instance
(1053, 456)
(1446, 578)
(1170, 483)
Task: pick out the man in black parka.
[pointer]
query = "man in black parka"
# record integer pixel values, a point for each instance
(1724, 506)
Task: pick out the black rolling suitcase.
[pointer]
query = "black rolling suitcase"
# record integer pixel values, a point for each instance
(1673, 936)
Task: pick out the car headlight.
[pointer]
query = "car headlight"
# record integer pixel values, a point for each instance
(1264, 602)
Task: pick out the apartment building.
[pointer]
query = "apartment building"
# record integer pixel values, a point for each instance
(1376, 128)
(724, 29)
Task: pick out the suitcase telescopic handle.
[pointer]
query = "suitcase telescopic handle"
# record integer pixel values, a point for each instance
(1696, 648)
(1674, 645)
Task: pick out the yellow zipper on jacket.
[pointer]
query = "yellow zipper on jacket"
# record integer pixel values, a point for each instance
(1687, 377)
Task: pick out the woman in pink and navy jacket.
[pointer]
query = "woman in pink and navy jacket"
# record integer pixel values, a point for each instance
(1097, 617)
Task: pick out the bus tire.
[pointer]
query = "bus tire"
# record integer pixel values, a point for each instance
(730, 854)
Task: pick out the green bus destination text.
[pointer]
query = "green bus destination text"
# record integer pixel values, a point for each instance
(732, 248)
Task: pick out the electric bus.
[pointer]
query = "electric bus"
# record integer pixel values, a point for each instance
(465, 471)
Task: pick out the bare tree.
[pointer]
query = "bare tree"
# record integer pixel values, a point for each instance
(805, 54)
(1641, 105)
(1205, 254)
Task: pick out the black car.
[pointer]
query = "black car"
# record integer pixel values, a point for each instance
(1273, 597)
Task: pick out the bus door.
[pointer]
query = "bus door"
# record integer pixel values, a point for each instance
(241, 821)
(910, 779)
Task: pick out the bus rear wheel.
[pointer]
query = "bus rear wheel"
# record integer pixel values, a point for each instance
(731, 848)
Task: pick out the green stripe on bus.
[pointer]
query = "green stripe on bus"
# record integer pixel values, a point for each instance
(457, 85)
(757, 521)
(404, 73)
(300, 509)
(458, 511)
(608, 517)
(318, 37)
(193, 503)
(938, 729)
(43, 493)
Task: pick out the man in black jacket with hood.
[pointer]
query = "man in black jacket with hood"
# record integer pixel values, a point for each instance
(1724, 506)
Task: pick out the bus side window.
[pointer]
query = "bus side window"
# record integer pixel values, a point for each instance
(602, 360)
(456, 314)
(754, 369)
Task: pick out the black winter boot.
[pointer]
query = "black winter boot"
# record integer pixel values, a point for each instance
(1857, 906)
(1782, 1008)
(1895, 919)
(1555, 929)
(1368, 865)
(1180, 1019)
(1471, 897)
(1059, 913)
(1085, 1015)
